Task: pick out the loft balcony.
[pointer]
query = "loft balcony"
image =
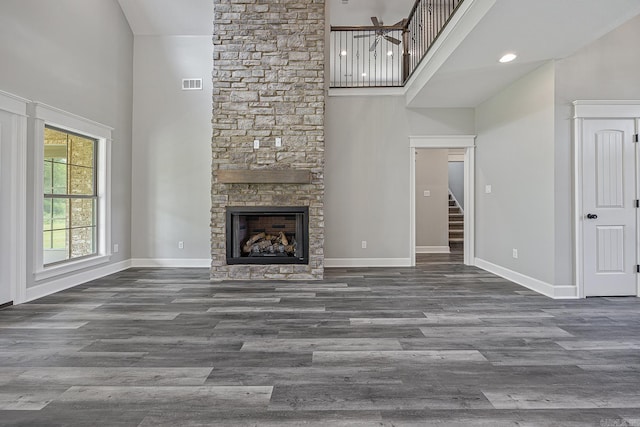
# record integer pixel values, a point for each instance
(449, 51)
(387, 55)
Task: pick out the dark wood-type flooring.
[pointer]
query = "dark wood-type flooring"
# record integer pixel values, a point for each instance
(439, 344)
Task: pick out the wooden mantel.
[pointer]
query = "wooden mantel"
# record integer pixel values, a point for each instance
(264, 176)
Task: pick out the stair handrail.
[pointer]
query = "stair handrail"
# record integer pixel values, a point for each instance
(455, 200)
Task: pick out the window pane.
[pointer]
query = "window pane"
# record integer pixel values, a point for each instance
(46, 214)
(83, 213)
(82, 241)
(47, 241)
(56, 246)
(48, 177)
(81, 180)
(82, 151)
(69, 222)
(61, 212)
(59, 178)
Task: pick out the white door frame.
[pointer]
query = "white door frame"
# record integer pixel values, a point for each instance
(17, 206)
(584, 109)
(446, 141)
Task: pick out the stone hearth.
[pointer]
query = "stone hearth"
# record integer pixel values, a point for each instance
(268, 80)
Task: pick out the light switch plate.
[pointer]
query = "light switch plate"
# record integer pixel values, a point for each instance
(427, 193)
(256, 144)
(278, 142)
(487, 189)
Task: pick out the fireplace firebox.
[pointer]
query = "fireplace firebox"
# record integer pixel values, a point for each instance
(267, 235)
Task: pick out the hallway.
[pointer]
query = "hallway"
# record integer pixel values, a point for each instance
(441, 344)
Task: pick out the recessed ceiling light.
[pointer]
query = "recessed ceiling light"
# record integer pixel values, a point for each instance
(343, 53)
(364, 74)
(508, 57)
(390, 53)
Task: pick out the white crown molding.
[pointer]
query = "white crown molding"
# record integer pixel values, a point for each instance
(604, 109)
(13, 104)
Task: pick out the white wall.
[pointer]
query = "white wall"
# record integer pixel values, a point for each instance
(432, 212)
(367, 171)
(515, 155)
(76, 56)
(171, 148)
(605, 69)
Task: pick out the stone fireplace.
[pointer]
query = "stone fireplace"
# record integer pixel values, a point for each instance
(268, 139)
(267, 235)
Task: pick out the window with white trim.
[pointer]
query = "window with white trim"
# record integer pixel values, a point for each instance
(70, 196)
(72, 192)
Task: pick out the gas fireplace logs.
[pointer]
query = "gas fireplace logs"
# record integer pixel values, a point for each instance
(268, 244)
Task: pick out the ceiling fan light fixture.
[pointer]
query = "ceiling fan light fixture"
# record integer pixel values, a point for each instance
(508, 57)
(390, 53)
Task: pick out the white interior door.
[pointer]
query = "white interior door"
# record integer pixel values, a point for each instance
(608, 211)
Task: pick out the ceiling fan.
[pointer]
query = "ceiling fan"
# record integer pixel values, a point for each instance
(380, 33)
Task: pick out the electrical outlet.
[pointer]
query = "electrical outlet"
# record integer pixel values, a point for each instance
(515, 253)
(278, 142)
(180, 244)
(364, 244)
(256, 144)
(116, 248)
(427, 193)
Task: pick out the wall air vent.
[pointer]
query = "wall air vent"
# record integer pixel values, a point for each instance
(191, 84)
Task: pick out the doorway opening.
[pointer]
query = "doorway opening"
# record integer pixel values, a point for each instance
(442, 218)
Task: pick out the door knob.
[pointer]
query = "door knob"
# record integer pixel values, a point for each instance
(592, 216)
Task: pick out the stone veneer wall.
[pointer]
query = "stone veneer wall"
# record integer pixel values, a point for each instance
(268, 82)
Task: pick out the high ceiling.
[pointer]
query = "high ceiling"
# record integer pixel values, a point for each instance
(538, 30)
(359, 12)
(169, 17)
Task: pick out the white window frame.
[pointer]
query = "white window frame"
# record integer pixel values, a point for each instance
(41, 115)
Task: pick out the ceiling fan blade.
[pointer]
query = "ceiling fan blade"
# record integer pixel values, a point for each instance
(359, 36)
(374, 44)
(392, 39)
(375, 21)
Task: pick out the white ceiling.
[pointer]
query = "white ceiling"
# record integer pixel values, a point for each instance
(537, 30)
(359, 12)
(169, 17)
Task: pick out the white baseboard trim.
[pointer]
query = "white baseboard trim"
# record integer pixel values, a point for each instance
(367, 262)
(171, 262)
(433, 250)
(57, 285)
(544, 288)
(565, 292)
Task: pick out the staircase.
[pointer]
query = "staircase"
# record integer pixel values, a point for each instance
(456, 225)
